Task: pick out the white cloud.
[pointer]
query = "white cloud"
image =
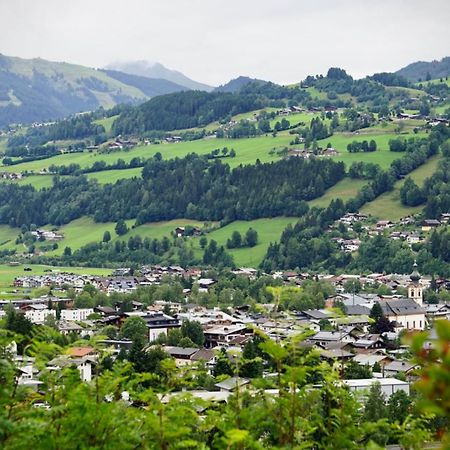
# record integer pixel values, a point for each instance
(213, 41)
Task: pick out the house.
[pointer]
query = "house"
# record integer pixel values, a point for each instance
(80, 352)
(158, 323)
(69, 327)
(37, 313)
(325, 338)
(73, 315)
(371, 359)
(367, 345)
(83, 364)
(223, 335)
(439, 311)
(182, 355)
(394, 368)
(429, 224)
(231, 384)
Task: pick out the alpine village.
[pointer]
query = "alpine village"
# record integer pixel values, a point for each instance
(256, 265)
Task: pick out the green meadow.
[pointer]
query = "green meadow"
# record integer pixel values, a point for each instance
(248, 150)
(382, 156)
(388, 205)
(269, 230)
(345, 190)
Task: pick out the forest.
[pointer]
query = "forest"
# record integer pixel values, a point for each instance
(191, 187)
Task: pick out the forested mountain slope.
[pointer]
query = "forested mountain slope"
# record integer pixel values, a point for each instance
(35, 90)
(423, 70)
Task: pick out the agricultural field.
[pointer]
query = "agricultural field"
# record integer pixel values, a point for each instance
(247, 151)
(159, 230)
(345, 190)
(111, 176)
(8, 236)
(388, 205)
(107, 123)
(82, 231)
(269, 230)
(382, 156)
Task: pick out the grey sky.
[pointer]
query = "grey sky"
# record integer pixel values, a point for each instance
(213, 41)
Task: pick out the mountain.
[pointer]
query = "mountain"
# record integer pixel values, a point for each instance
(236, 84)
(34, 90)
(423, 70)
(156, 70)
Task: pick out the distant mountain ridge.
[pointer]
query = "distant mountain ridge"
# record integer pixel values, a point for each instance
(421, 70)
(156, 70)
(236, 84)
(35, 90)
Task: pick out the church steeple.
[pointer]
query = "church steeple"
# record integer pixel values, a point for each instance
(415, 291)
(415, 275)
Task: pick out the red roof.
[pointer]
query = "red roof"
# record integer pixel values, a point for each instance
(79, 352)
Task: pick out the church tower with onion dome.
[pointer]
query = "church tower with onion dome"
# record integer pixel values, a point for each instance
(415, 290)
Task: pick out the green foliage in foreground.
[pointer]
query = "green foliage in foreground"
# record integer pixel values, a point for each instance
(309, 408)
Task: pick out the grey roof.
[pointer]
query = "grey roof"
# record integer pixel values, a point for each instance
(180, 351)
(358, 299)
(400, 366)
(203, 355)
(315, 314)
(232, 383)
(328, 336)
(357, 310)
(402, 307)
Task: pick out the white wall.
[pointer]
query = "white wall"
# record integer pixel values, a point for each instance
(38, 316)
(76, 314)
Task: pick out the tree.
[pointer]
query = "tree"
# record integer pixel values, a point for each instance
(194, 331)
(203, 241)
(381, 322)
(222, 366)
(352, 286)
(135, 328)
(67, 251)
(121, 228)
(235, 241)
(106, 236)
(355, 371)
(251, 237)
(375, 407)
(17, 322)
(399, 406)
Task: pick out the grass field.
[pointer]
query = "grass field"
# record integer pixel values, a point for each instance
(389, 207)
(8, 237)
(107, 123)
(269, 230)
(344, 189)
(382, 156)
(83, 231)
(8, 273)
(159, 230)
(111, 176)
(247, 151)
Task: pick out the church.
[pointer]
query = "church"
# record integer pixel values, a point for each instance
(409, 312)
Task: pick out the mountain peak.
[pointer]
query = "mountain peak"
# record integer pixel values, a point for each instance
(154, 69)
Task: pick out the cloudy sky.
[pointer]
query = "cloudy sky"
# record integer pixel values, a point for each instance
(215, 40)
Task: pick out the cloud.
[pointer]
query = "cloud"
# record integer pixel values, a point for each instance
(215, 40)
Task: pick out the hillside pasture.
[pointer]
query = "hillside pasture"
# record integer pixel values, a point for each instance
(269, 230)
(345, 190)
(248, 150)
(382, 156)
(388, 205)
